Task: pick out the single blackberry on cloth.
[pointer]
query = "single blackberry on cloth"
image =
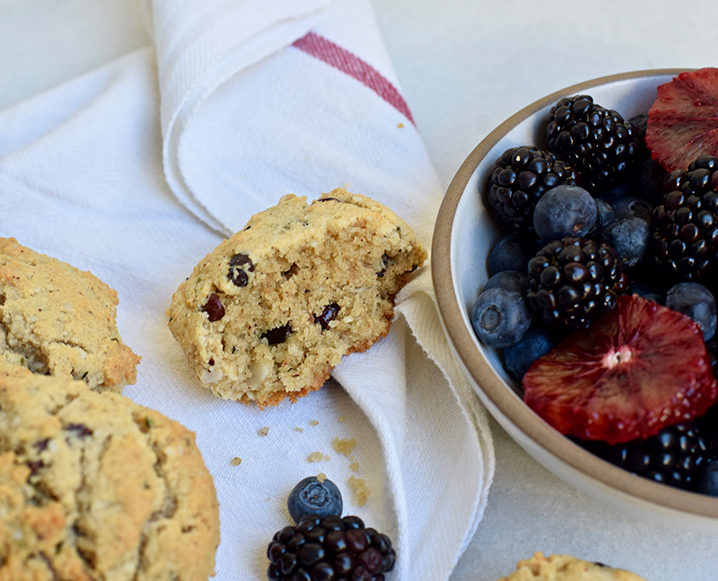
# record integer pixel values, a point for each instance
(684, 236)
(573, 280)
(322, 548)
(676, 456)
(596, 141)
(518, 179)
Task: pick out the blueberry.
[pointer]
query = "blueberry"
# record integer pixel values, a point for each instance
(629, 238)
(509, 280)
(647, 291)
(632, 207)
(314, 496)
(708, 479)
(500, 317)
(696, 301)
(564, 211)
(508, 253)
(519, 356)
(606, 213)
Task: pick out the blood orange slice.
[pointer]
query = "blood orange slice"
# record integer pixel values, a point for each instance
(683, 120)
(633, 371)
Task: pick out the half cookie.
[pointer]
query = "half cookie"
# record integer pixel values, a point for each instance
(272, 309)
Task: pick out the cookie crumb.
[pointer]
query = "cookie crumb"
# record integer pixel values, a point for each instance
(321, 477)
(354, 466)
(344, 447)
(236, 461)
(359, 487)
(341, 419)
(400, 126)
(318, 457)
(298, 429)
(263, 431)
(313, 422)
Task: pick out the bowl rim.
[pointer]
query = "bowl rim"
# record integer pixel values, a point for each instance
(508, 404)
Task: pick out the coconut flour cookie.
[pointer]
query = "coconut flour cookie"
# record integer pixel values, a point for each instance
(567, 568)
(94, 486)
(272, 309)
(56, 319)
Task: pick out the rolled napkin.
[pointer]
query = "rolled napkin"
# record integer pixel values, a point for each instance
(137, 179)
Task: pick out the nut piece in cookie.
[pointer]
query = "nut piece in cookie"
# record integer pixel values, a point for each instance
(272, 310)
(58, 320)
(94, 486)
(566, 568)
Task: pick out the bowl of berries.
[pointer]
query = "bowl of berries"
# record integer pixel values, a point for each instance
(575, 263)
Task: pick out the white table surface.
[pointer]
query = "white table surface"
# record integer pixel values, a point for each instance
(463, 66)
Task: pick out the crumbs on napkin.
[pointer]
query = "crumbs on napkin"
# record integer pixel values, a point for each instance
(263, 431)
(360, 490)
(318, 457)
(345, 446)
(236, 461)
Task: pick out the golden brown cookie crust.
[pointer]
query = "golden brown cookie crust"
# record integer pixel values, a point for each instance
(94, 486)
(56, 319)
(566, 568)
(270, 312)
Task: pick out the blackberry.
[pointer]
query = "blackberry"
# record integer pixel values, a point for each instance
(518, 179)
(573, 280)
(596, 141)
(675, 456)
(684, 237)
(329, 547)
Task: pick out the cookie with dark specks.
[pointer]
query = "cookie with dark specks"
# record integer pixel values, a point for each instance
(94, 486)
(56, 319)
(270, 312)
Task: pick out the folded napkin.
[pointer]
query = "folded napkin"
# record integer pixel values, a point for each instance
(138, 169)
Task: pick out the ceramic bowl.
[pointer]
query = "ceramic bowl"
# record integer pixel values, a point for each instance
(463, 236)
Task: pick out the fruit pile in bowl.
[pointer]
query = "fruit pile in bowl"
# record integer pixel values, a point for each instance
(575, 261)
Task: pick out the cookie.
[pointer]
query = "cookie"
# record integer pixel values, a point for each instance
(272, 310)
(567, 568)
(58, 320)
(94, 486)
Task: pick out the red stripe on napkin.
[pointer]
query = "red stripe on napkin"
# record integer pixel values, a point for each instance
(347, 62)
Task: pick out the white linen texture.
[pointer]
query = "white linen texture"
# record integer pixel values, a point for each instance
(138, 169)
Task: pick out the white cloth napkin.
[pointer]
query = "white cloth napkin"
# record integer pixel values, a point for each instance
(137, 170)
